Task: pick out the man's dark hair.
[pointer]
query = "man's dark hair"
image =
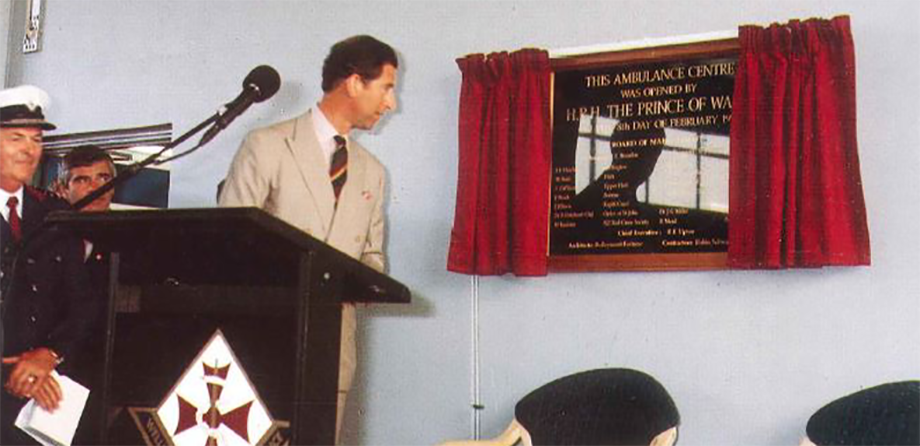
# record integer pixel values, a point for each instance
(614, 406)
(886, 414)
(362, 55)
(81, 157)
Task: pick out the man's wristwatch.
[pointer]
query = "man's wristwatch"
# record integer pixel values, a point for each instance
(58, 359)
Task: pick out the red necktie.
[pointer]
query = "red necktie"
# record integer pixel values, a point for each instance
(338, 168)
(15, 223)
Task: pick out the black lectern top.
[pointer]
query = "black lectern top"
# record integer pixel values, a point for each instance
(223, 247)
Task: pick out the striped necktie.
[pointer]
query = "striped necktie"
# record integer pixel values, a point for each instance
(338, 168)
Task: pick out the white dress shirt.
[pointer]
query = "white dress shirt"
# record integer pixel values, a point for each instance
(5, 197)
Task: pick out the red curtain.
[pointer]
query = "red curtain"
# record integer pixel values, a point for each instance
(502, 211)
(796, 196)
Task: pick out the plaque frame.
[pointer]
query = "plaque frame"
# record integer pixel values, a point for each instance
(723, 47)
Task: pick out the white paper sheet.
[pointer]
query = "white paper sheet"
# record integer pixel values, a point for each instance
(57, 428)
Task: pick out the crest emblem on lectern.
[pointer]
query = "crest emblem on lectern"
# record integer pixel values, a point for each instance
(212, 404)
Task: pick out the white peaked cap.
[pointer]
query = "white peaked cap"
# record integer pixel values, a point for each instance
(28, 95)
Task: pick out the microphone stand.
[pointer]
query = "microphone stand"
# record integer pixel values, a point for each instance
(129, 173)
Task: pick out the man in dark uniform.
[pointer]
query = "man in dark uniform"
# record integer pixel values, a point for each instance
(46, 306)
(84, 170)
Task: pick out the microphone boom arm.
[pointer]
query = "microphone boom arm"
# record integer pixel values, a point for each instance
(259, 85)
(135, 168)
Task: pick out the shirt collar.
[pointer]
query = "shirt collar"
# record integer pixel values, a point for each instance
(325, 133)
(5, 196)
(324, 129)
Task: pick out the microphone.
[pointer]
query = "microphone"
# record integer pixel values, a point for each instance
(260, 84)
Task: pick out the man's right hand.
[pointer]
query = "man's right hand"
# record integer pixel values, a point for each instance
(31, 378)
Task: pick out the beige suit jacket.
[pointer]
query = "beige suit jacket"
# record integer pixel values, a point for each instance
(281, 169)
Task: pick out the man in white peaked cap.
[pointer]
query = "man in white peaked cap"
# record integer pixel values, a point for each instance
(44, 295)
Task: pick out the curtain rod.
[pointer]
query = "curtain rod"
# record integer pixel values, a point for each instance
(642, 43)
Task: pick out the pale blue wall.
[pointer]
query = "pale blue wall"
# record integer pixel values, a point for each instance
(5, 35)
(748, 356)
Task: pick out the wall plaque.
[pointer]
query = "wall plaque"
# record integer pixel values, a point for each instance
(640, 158)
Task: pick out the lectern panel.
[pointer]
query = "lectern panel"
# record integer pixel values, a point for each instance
(232, 327)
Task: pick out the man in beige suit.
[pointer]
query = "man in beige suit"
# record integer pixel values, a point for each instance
(295, 169)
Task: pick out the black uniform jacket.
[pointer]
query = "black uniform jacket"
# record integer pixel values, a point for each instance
(46, 297)
(45, 286)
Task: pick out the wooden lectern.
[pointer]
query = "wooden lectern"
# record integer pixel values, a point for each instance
(274, 292)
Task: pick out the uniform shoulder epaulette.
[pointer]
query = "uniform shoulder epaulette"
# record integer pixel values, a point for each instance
(39, 195)
(47, 199)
